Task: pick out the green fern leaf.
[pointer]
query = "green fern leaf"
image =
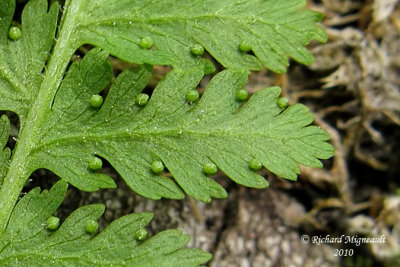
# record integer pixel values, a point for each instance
(72, 122)
(27, 242)
(22, 61)
(63, 131)
(183, 135)
(272, 28)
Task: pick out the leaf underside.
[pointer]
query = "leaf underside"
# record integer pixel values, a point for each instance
(27, 242)
(273, 29)
(183, 135)
(22, 61)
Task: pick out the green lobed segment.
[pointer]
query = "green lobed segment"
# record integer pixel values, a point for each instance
(27, 241)
(67, 126)
(272, 29)
(180, 134)
(22, 61)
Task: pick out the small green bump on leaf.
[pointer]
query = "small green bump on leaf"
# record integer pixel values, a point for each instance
(255, 164)
(157, 166)
(14, 33)
(27, 241)
(208, 66)
(242, 94)
(141, 234)
(197, 50)
(146, 42)
(142, 99)
(210, 168)
(96, 101)
(95, 163)
(192, 95)
(91, 227)
(282, 102)
(53, 223)
(244, 46)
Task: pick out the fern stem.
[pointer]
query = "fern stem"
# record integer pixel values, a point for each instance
(12, 186)
(21, 167)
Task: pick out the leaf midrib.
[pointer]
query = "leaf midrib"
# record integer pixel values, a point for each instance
(144, 135)
(174, 19)
(20, 168)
